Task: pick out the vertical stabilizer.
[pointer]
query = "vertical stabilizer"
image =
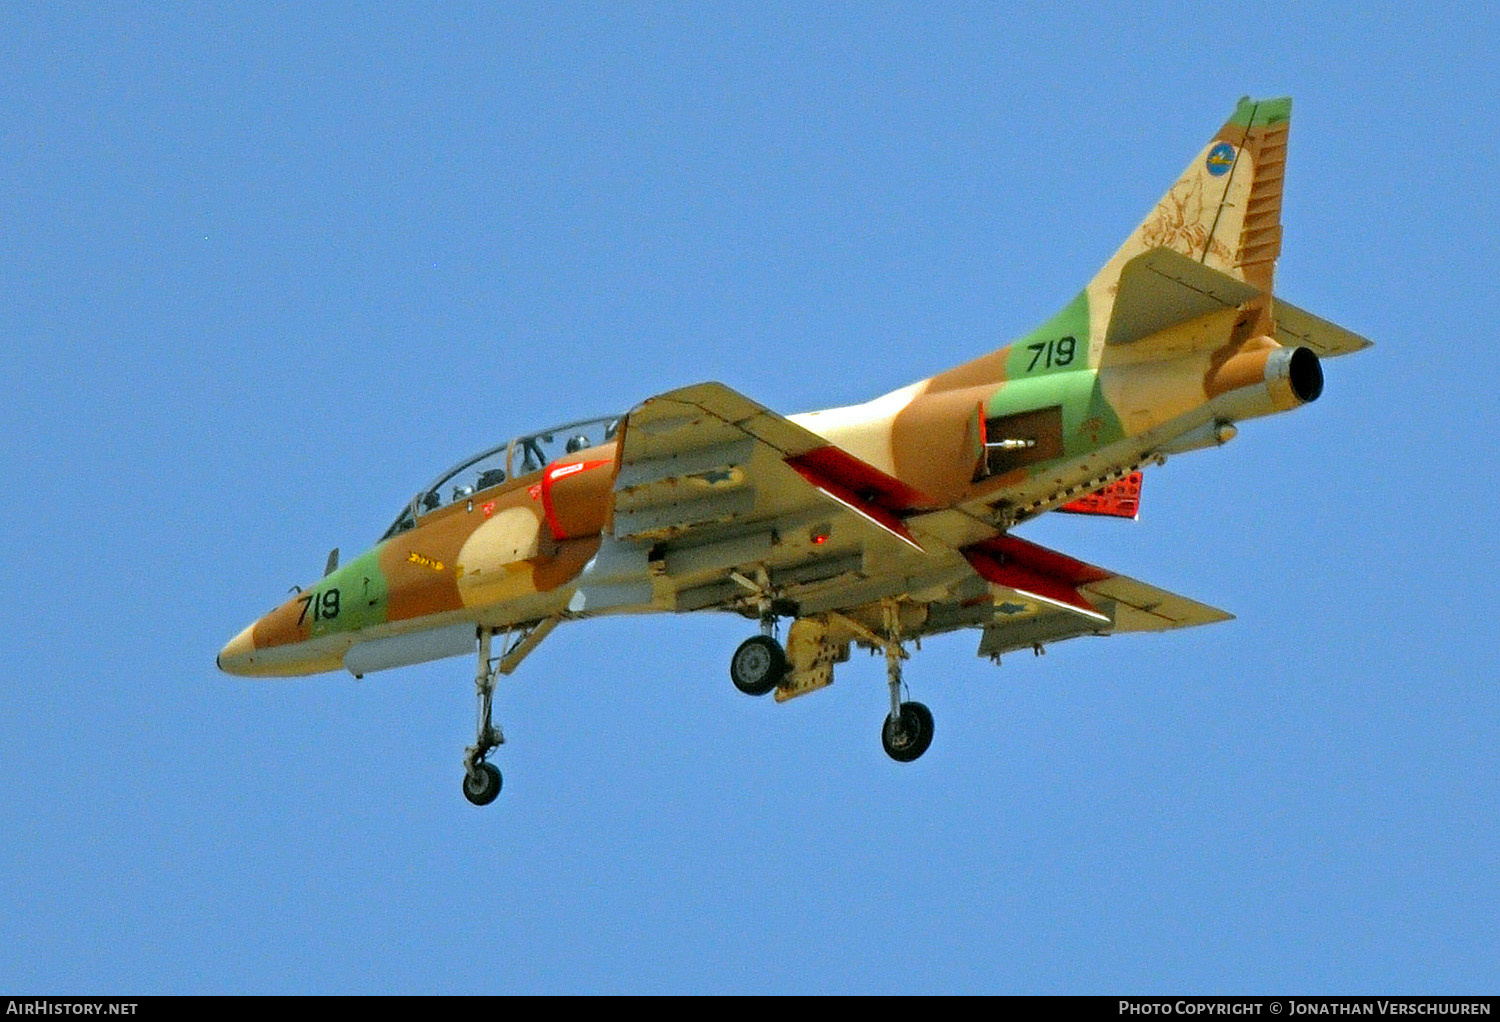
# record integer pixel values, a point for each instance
(1207, 247)
(1224, 211)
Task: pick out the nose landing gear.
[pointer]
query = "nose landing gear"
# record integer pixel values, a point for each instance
(482, 780)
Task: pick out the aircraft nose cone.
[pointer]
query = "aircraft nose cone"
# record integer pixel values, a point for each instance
(234, 658)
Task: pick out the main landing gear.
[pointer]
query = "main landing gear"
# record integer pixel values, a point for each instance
(760, 664)
(907, 731)
(483, 784)
(482, 780)
(907, 734)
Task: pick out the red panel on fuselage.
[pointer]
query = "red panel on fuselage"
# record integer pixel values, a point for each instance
(575, 495)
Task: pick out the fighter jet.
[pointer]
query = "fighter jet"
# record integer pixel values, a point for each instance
(871, 525)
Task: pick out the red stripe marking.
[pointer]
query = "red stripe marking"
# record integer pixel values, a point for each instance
(872, 486)
(879, 515)
(1013, 550)
(1026, 567)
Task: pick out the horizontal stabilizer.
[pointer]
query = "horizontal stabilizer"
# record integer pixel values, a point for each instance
(1298, 328)
(1161, 288)
(1144, 608)
(1069, 597)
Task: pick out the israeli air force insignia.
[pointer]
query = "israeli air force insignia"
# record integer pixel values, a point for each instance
(1220, 159)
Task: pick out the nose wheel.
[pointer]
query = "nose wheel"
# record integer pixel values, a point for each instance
(482, 785)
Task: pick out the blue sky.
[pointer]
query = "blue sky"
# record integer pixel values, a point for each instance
(267, 269)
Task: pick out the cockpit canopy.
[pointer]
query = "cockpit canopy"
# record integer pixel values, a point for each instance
(520, 457)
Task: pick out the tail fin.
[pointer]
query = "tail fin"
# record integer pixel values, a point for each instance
(1224, 211)
(1209, 244)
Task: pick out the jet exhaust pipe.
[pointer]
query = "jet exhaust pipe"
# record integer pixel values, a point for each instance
(1264, 379)
(1304, 374)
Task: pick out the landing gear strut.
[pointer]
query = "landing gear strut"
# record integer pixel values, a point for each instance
(907, 731)
(481, 779)
(759, 664)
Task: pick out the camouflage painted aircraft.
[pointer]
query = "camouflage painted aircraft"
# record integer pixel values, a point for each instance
(875, 524)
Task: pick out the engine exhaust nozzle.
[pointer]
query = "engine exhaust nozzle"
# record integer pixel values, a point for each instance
(1265, 378)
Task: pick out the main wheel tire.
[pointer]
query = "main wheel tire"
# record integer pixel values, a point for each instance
(908, 737)
(483, 785)
(758, 665)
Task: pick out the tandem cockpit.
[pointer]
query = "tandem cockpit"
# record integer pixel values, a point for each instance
(520, 457)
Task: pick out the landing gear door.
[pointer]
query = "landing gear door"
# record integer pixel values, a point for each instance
(810, 659)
